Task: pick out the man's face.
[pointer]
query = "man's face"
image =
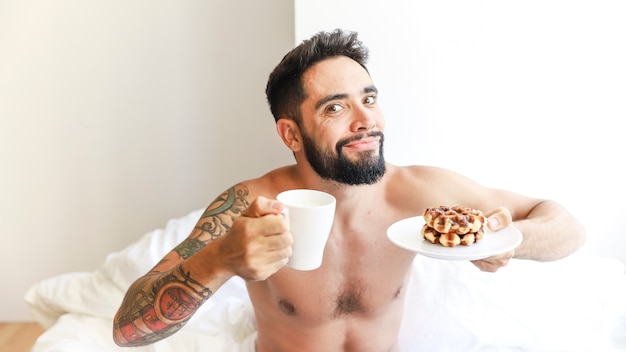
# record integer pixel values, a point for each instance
(341, 123)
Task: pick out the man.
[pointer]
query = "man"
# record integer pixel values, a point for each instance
(325, 106)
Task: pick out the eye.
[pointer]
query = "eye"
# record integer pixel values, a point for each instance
(369, 100)
(333, 108)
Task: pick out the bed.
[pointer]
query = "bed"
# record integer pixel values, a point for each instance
(575, 304)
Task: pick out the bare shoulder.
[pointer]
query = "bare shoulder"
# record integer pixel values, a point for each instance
(267, 185)
(228, 205)
(415, 187)
(423, 173)
(428, 186)
(436, 171)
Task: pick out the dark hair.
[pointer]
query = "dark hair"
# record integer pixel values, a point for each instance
(285, 92)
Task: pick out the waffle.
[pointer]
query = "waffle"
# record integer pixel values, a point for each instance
(453, 226)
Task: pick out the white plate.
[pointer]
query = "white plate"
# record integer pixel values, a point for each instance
(406, 234)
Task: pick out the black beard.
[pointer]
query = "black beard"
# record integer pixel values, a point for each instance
(365, 171)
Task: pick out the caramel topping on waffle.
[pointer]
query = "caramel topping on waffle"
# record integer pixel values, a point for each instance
(453, 226)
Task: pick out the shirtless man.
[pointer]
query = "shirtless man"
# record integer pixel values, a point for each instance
(326, 111)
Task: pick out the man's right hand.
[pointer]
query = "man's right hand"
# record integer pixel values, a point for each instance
(259, 243)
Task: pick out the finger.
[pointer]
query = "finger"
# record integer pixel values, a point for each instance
(486, 266)
(270, 240)
(262, 267)
(502, 258)
(280, 256)
(273, 225)
(262, 234)
(263, 206)
(498, 218)
(492, 264)
(279, 241)
(481, 264)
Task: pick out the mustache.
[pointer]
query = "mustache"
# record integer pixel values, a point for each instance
(345, 141)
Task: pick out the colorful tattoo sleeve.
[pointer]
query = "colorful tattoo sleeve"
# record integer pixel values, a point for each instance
(161, 302)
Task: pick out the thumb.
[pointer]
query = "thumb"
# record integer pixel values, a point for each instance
(498, 218)
(263, 206)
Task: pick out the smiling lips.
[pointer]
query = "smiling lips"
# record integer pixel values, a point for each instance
(366, 143)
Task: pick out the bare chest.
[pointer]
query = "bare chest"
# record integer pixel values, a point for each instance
(362, 275)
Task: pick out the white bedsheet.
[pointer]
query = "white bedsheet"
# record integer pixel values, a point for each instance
(575, 304)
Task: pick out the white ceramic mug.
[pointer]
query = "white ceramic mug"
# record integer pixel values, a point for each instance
(310, 215)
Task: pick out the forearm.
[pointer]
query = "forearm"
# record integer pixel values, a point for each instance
(156, 306)
(550, 233)
(161, 302)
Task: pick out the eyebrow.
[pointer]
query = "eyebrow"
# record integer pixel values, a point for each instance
(331, 97)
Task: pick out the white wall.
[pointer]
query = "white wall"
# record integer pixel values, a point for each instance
(116, 116)
(524, 95)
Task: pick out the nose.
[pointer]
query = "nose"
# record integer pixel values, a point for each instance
(364, 119)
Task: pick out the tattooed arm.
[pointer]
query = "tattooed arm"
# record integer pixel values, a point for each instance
(232, 237)
(161, 302)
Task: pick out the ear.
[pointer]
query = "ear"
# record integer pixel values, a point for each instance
(290, 133)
